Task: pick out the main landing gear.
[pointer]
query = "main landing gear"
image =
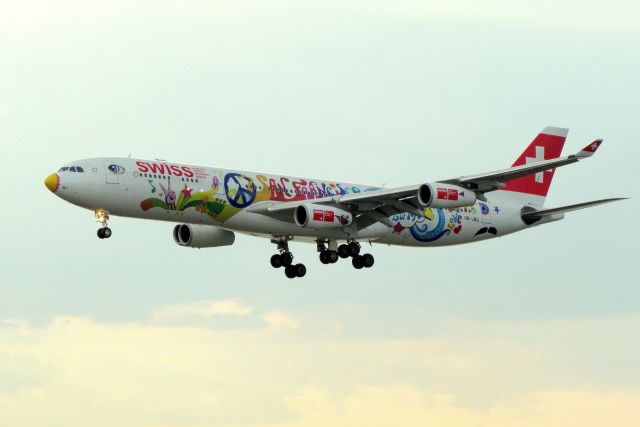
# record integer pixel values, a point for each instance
(284, 258)
(102, 217)
(351, 249)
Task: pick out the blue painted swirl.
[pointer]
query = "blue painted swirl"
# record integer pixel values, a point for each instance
(422, 233)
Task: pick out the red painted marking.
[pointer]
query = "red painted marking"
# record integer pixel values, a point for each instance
(329, 216)
(552, 146)
(591, 148)
(164, 169)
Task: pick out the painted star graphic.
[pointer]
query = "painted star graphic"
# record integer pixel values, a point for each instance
(497, 209)
(186, 191)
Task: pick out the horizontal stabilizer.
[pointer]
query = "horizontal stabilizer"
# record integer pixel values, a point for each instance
(529, 215)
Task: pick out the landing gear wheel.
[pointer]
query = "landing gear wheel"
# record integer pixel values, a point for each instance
(300, 270)
(357, 262)
(354, 249)
(286, 258)
(323, 257)
(290, 271)
(106, 232)
(343, 251)
(101, 233)
(332, 257)
(276, 261)
(367, 260)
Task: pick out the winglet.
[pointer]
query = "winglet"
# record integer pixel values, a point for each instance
(590, 149)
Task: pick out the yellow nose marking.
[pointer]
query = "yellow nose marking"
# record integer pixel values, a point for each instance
(52, 182)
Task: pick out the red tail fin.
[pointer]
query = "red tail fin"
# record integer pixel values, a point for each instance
(547, 145)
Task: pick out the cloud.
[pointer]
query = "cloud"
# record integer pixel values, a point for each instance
(229, 307)
(277, 320)
(150, 374)
(405, 405)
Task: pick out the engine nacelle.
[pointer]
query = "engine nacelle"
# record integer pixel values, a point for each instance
(447, 196)
(202, 236)
(318, 216)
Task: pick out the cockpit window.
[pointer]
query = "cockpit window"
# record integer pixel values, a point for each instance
(71, 169)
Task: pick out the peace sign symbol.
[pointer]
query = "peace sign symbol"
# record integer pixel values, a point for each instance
(240, 190)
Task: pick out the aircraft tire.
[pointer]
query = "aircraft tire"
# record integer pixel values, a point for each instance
(357, 262)
(343, 251)
(101, 233)
(323, 257)
(276, 261)
(287, 258)
(290, 271)
(106, 232)
(300, 270)
(332, 257)
(354, 249)
(367, 260)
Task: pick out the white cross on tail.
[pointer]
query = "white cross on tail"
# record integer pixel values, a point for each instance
(538, 158)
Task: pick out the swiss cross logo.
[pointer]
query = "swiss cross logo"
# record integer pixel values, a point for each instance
(448, 194)
(323, 216)
(543, 147)
(593, 146)
(328, 216)
(538, 158)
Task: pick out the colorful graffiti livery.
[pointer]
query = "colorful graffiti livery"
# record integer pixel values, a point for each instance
(210, 205)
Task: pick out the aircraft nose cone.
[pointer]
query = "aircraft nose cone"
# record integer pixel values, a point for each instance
(52, 182)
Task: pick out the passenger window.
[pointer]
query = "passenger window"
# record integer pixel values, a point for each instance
(79, 169)
(72, 169)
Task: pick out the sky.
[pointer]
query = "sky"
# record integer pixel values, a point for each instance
(536, 328)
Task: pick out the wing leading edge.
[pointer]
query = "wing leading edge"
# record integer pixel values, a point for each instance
(491, 181)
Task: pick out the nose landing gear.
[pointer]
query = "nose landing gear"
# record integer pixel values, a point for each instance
(102, 217)
(104, 232)
(284, 258)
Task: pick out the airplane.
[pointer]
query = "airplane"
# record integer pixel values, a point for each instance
(211, 204)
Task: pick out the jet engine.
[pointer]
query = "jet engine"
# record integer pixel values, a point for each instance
(202, 236)
(447, 196)
(318, 216)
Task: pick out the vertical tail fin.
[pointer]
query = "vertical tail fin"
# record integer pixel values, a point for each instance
(534, 188)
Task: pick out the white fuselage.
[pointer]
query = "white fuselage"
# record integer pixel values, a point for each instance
(225, 198)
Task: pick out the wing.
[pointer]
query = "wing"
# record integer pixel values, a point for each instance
(490, 181)
(378, 205)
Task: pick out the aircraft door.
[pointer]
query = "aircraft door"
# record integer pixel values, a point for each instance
(113, 172)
